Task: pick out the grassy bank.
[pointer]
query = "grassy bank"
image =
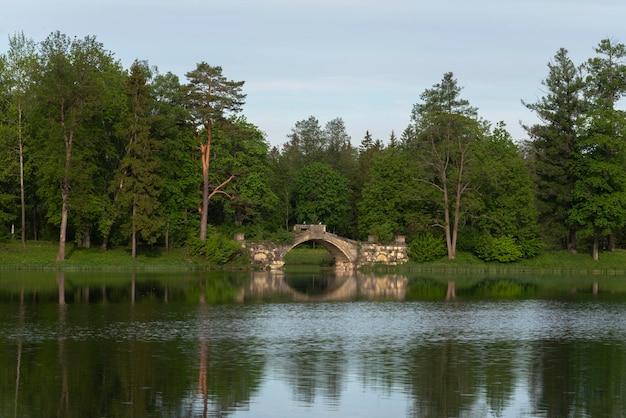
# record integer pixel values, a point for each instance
(42, 255)
(549, 262)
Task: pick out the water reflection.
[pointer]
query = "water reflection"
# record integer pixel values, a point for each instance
(334, 285)
(180, 346)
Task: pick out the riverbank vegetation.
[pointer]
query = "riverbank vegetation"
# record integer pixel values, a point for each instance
(40, 256)
(133, 163)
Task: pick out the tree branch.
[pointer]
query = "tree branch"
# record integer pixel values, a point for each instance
(218, 188)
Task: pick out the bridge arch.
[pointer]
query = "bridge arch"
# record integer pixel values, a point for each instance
(344, 251)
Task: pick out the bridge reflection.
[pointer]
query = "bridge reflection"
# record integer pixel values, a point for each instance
(334, 286)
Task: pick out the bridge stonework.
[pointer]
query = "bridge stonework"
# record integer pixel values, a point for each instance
(348, 254)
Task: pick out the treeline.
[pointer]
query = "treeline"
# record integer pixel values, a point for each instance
(97, 154)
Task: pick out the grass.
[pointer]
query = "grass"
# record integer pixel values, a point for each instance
(549, 262)
(307, 255)
(41, 255)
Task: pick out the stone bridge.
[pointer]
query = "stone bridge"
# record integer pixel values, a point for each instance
(347, 253)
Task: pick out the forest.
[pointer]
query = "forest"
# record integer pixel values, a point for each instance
(95, 154)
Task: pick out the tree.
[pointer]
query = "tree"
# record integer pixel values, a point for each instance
(446, 131)
(209, 95)
(504, 206)
(77, 87)
(323, 196)
(600, 189)
(388, 202)
(178, 171)
(137, 181)
(307, 142)
(16, 77)
(243, 151)
(553, 145)
(339, 152)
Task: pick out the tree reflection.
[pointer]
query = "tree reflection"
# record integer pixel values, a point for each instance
(229, 373)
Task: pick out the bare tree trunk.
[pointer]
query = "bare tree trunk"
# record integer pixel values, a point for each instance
(167, 233)
(64, 210)
(134, 234)
(446, 215)
(596, 251)
(205, 151)
(457, 214)
(22, 198)
(68, 138)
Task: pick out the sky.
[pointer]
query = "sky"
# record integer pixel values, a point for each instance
(365, 61)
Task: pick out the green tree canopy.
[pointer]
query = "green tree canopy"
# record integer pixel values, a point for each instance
(323, 196)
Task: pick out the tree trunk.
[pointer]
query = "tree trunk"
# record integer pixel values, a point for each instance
(205, 152)
(446, 215)
(571, 241)
(134, 234)
(457, 215)
(85, 241)
(68, 138)
(22, 198)
(611, 245)
(167, 233)
(61, 253)
(596, 240)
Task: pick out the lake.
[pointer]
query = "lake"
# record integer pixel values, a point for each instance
(311, 344)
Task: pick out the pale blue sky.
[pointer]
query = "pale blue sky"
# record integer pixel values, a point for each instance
(362, 60)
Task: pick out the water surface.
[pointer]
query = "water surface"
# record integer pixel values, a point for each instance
(262, 345)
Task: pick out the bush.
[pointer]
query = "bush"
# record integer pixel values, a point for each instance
(503, 249)
(217, 249)
(426, 247)
(531, 247)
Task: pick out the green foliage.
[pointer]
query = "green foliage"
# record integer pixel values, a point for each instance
(243, 150)
(530, 247)
(426, 247)
(323, 196)
(257, 232)
(503, 249)
(387, 198)
(217, 250)
(552, 145)
(383, 232)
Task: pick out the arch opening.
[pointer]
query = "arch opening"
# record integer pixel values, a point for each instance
(309, 252)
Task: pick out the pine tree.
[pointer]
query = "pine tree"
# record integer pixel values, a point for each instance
(553, 145)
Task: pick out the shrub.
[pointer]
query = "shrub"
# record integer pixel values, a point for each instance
(503, 249)
(530, 247)
(217, 249)
(426, 247)
(220, 250)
